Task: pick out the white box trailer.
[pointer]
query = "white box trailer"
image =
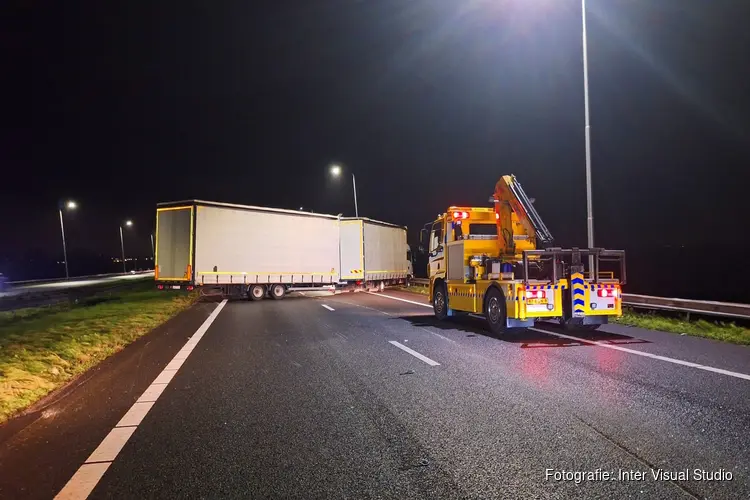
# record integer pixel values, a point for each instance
(265, 251)
(374, 253)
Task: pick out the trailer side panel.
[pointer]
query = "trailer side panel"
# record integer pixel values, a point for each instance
(236, 246)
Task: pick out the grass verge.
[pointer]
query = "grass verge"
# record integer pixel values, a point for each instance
(717, 330)
(42, 348)
(421, 290)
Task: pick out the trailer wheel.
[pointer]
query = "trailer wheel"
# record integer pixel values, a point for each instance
(440, 302)
(278, 292)
(495, 312)
(256, 292)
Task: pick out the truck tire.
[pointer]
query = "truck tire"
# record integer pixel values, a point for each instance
(256, 292)
(440, 301)
(495, 312)
(278, 291)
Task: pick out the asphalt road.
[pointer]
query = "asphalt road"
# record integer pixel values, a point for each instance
(57, 286)
(366, 396)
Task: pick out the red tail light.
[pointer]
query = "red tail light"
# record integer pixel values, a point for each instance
(160, 287)
(607, 292)
(536, 294)
(456, 215)
(190, 288)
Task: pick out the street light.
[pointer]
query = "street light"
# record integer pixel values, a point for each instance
(336, 171)
(128, 223)
(587, 133)
(70, 205)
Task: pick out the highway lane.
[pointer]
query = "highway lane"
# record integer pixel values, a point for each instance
(297, 400)
(292, 399)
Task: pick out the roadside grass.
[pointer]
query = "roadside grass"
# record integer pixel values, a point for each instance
(422, 290)
(717, 330)
(42, 348)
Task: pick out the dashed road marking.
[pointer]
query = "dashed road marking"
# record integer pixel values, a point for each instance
(328, 307)
(90, 473)
(414, 353)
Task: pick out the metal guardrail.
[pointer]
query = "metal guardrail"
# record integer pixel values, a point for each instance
(72, 278)
(687, 306)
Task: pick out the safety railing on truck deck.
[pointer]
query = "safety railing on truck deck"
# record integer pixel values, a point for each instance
(560, 257)
(686, 306)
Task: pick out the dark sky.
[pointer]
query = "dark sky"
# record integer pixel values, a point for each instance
(428, 101)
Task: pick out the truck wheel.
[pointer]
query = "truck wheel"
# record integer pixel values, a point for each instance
(256, 292)
(440, 302)
(494, 311)
(278, 292)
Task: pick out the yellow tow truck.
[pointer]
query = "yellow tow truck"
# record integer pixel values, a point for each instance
(499, 262)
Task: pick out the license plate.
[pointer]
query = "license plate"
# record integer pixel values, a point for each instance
(536, 302)
(175, 287)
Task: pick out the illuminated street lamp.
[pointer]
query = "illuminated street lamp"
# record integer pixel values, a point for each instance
(336, 171)
(128, 223)
(70, 205)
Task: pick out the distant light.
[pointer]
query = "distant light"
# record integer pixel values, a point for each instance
(71, 205)
(301, 208)
(128, 223)
(335, 170)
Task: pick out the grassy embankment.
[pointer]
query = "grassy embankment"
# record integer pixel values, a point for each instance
(42, 348)
(717, 330)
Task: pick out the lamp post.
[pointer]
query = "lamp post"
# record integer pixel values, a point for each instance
(336, 170)
(70, 205)
(587, 133)
(128, 223)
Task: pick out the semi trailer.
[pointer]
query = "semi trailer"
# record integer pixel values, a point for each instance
(267, 252)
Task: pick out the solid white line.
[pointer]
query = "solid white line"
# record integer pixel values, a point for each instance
(152, 393)
(90, 473)
(83, 481)
(111, 445)
(328, 307)
(135, 414)
(164, 377)
(399, 298)
(414, 353)
(647, 355)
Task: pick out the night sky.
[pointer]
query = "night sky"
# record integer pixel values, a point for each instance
(429, 102)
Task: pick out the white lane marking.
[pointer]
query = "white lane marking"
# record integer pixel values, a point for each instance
(328, 307)
(647, 354)
(175, 364)
(152, 393)
(111, 445)
(414, 353)
(135, 414)
(165, 376)
(616, 348)
(399, 298)
(83, 481)
(90, 473)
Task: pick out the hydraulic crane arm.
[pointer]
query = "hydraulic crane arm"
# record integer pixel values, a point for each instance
(510, 198)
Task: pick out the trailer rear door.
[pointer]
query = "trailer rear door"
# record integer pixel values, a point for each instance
(174, 243)
(352, 250)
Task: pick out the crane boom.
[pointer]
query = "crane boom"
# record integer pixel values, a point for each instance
(510, 199)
